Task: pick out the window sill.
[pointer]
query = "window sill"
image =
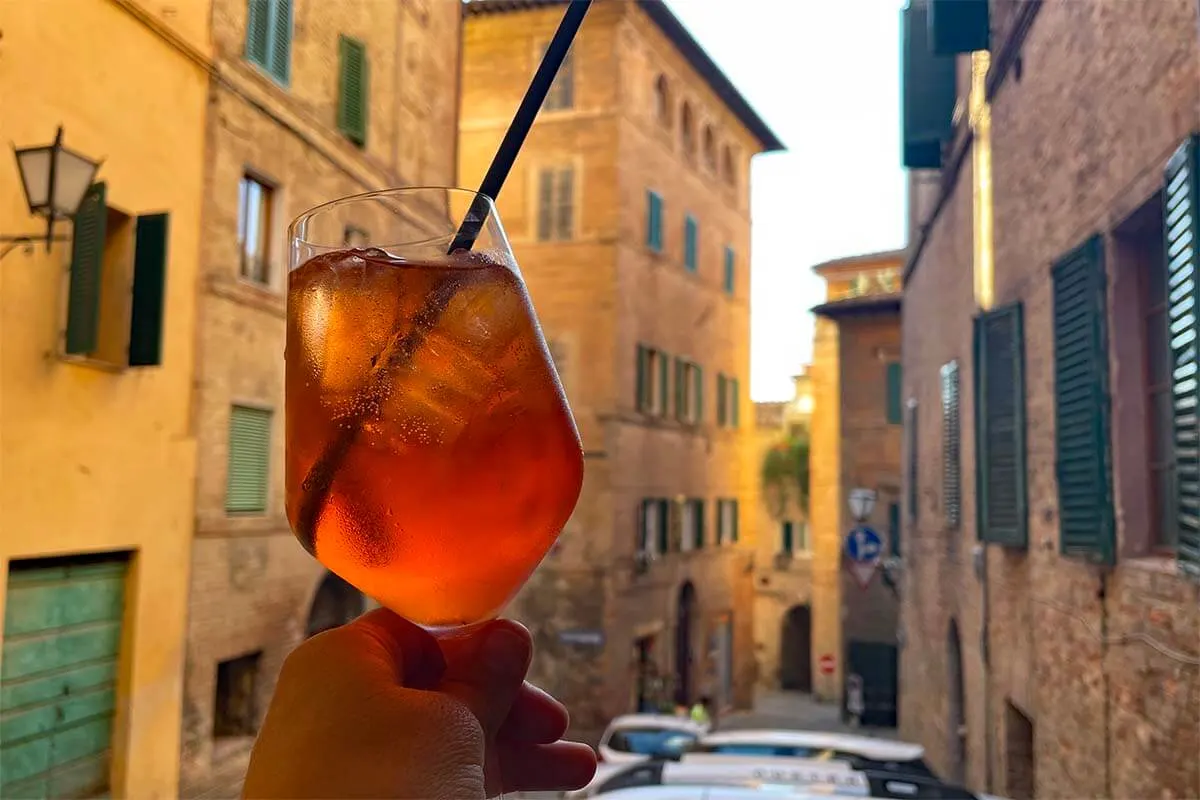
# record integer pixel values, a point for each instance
(93, 363)
(1163, 564)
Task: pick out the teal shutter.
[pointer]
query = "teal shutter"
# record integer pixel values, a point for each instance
(698, 388)
(663, 382)
(249, 460)
(149, 291)
(62, 637)
(736, 512)
(735, 402)
(690, 243)
(258, 31)
(1182, 230)
(664, 526)
(699, 518)
(729, 267)
(958, 26)
(928, 91)
(680, 386)
(951, 446)
(87, 266)
(894, 529)
(654, 209)
(642, 386)
(281, 40)
(1082, 448)
(1000, 427)
(353, 91)
(895, 386)
(786, 537)
(721, 398)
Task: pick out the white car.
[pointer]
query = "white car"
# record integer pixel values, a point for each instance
(860, 752)
(635, 737)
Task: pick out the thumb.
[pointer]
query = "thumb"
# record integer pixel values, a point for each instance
(485, 670)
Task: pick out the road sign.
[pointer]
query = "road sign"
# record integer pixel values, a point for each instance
(864, 548)
(826, 663)
(582, 638)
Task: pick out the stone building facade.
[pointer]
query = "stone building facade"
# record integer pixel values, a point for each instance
(856, 445)
(307, 102)
(783, 549)
(628, 210)
(1051, 612)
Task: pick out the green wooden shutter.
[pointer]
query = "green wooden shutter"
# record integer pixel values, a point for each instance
(1182, 231)
(353, 89)
(929, 91)
(787, 540)
(281, 40)
(690, 243)
(62, 637)
(698, 388)
(958, 26)
(699, 518)
(729, 270)
(664, 361)
(1082, 448)
(249, 460)
(894, 529)
(664, 526)
(654, 209)
(912, 472)
(680, 385)
(951, 446)
(149, 291)
(640, 391)
(734, 503)
(87, 267)
(1000, 427)
(735, 402)
(564, 207)
(545, 217)
(895, 386)
(258, 31)
(721, 398)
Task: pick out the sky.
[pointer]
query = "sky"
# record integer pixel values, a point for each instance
(825, 77)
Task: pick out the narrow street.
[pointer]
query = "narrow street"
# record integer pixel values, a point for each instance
(794, 711)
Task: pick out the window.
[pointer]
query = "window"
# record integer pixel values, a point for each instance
(662, 101)
(654, 223)
(269, 37)
(353, 91)
(235, 712)
(1182, 224)
(652, 380)
(710, 148)
(691, 246)
(894, 529)
(249, 460)
(951, 447)
(787, 538)
(1000, 426)
(730, 266)
(728, 170)
(1081, 430)
(687, 130)
(117, 291)
(255, 203)
(895, 385)
(556, 204)
(727, 401)
(654, 533)
(689, 391)
(693, 524)
(562, 92)
(913, 462)
(727, 521)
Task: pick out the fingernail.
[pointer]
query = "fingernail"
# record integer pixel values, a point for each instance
(505, 654)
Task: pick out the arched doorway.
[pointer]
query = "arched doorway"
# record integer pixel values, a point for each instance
(956, 723)
(795, 651)
(685, 623)
(335, 603)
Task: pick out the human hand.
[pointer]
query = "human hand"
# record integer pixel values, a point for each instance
(377, 708)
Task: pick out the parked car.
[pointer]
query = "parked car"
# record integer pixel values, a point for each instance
(636, 737)
(860, 752)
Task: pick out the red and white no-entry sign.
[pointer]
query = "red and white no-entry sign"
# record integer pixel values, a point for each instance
(826, 664)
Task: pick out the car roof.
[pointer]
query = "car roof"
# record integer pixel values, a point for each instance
(706, 793)
(866, 746)
(797, 774)
(667, 721)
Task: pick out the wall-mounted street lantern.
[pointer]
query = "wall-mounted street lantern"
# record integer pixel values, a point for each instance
(55, 180)
(862, 503)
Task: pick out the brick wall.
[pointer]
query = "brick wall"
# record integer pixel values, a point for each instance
(1107, 91)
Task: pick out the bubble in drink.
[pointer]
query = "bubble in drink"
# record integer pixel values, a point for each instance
(432, 460)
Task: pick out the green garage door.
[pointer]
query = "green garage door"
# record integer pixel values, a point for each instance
(58, 668)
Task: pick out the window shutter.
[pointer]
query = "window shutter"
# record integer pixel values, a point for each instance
(545, 229)
(698, 388)
(650, 214)
(895, 385)
(664, 527)
(643, 385)
(281, 40)
(735, 401)
(565, 207)
(149, 291)
(690, 234)
(1084, 457)
(1000, 431)
(699, 518)
(958, 26)
(352, 89)
(654, 206)
(786, 542)
(87, 266)
(663, 362)
(729, 264)
(951, 446)
(734, 504)
(564, 82)
(680, 398)
(258, 26)
(894, 528)
(721, 398)
(1182, 230)
(928, 91)
(249, 460)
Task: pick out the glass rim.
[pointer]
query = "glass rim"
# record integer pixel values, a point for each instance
(375, 194)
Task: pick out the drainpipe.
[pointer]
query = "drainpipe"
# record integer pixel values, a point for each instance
(985, 653)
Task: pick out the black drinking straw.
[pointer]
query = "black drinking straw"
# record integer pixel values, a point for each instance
(522, 121)
(314, 491)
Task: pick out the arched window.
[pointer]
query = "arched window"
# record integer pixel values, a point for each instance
(710, 148)
(662, 101)
(687, 129)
